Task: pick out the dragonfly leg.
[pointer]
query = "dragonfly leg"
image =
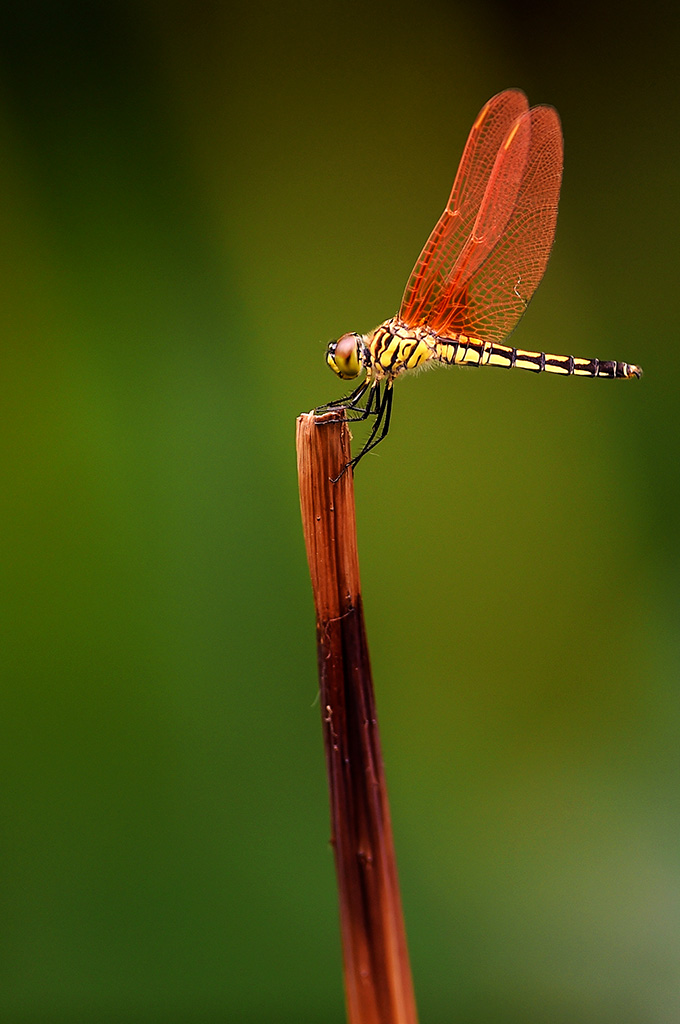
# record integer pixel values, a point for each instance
(377, 434)
(350, 401)
(379, 429)
(372, 405)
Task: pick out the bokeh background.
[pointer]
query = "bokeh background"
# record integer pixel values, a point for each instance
(195, 198)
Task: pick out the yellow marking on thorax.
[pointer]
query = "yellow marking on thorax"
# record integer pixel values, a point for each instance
(417, 356)
(395, 349)
(384, 354)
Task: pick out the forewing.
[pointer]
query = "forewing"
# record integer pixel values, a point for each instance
(436, 262)
(505, 257)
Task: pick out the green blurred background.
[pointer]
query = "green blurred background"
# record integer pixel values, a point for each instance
(195, 198)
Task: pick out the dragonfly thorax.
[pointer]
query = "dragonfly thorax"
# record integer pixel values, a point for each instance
(347, 356)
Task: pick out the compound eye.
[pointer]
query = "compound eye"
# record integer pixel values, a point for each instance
(345, 357)
(345, 347)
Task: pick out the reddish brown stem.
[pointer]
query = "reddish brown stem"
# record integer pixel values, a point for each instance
(378, 984)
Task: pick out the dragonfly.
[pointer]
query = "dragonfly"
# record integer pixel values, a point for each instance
(477, 272)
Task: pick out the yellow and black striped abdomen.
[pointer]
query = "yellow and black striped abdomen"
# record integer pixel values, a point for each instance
(473, 352)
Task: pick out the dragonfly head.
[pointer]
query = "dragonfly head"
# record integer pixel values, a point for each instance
(345, 356)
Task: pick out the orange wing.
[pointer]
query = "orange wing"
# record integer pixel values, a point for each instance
(441, 251)
(489, 249)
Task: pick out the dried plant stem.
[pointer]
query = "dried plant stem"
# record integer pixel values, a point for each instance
(378, 984)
